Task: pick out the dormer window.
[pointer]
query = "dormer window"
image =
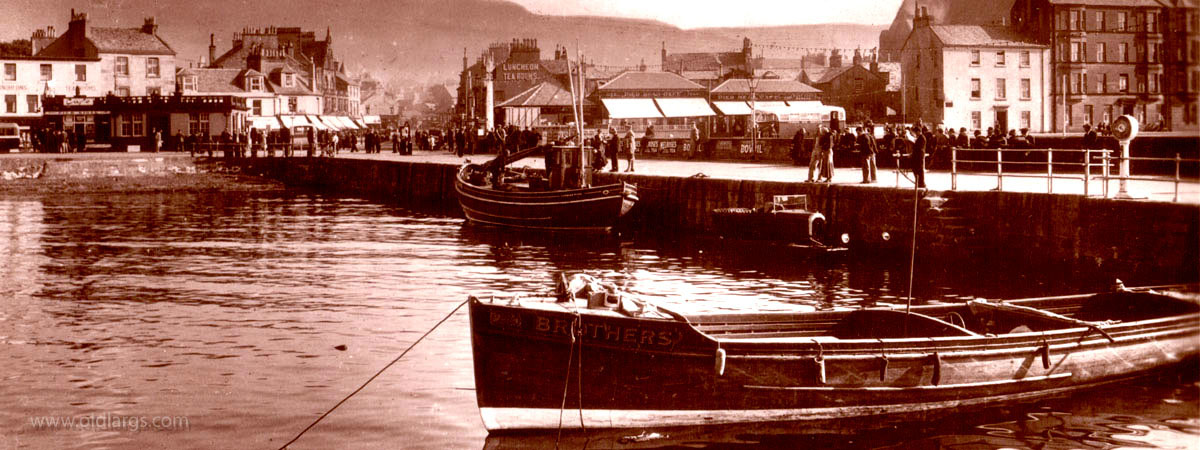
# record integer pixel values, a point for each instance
(255, 83)
(289, 80)
(188, 83)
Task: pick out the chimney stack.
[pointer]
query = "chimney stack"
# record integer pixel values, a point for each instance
(212, 48)
(149, 26)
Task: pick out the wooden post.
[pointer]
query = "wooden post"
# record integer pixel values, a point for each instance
(953, 168)
(999, 169)
(1050, 171)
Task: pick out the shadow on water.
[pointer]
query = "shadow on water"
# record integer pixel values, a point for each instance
(1159, 411)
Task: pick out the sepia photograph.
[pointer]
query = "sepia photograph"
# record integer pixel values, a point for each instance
(600, 224)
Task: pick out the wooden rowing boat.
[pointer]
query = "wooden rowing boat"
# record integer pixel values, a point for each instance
(543, 364)
(524, 204)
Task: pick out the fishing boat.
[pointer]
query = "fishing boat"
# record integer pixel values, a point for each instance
(785, 219)
(591, 357)
(564, 201)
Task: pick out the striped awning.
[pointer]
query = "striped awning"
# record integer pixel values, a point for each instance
(685, 107)
(631, 108)
(733, 108)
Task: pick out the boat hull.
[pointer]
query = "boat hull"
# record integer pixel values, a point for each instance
(662, 373)
(586, 209)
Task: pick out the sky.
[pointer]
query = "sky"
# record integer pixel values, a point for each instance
(726, 13)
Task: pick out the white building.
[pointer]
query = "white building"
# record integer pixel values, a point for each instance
(974, 77)
(133, 61)
(26, 80)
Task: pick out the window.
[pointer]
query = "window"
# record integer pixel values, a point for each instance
(1026, 120)
(122, 91)
(974, 57)
(975, 88)
(1121, 18)
(1075, 47)
(256, 107)
(1000, 58)
(122, 65)
(1075, 83)
(1101, 49)
(1083, 84)
(154, 90)
(1152, 22)
(10, 104)
(255, 83)
(10, 71)
(1153, 56)
(31, 101)
(1026, 88)
(292, 104)
(80, 72)
(198, 123)
(1141, 84)
(1074, 20)
(976, 120)
(1123, 83)
(47, 72)
(1001, 91)
(1141, 53)
(1025, 59)
(1087, 113)
(1124, 51)
(1154, 83)
(1100, 20)
(151, 67)
(188, 83)
(1103, 84)
(1070, 114)
(289, 80)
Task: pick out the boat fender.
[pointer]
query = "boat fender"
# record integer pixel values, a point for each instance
(937, 368)
(1045, 352)
(820, 362)
(883, 363)
(720, 363)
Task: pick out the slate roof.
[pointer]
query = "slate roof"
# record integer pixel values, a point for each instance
(703, 61)
(980, 36)
(128, 40)
(832, 73)
(221, 80)
(650, 80)
(546, 93)
(739, 85)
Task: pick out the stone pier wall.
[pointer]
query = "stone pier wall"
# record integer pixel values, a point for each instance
(1118, 237)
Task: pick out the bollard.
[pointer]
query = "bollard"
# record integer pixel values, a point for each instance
(1176, 198)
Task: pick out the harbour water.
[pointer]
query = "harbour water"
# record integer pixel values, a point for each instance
(190, 320)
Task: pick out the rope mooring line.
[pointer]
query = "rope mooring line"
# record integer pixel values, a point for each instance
(373, 377)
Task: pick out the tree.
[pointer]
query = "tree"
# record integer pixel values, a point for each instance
(19, 47)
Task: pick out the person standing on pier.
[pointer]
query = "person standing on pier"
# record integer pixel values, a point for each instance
(797, 147)
(917, 158)
(867, 149)
(816, 159)
(612, 147)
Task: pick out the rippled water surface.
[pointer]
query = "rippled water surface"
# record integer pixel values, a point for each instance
(243, 318)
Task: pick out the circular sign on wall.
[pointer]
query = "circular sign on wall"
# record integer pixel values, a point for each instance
(1125, 128)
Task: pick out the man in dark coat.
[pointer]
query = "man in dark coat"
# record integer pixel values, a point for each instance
(797, 147)
(917, 157)
(866, 150)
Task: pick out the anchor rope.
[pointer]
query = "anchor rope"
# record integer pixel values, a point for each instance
(567, 381)
(376, 375)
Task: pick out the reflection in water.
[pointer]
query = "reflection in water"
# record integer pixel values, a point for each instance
(250, 315)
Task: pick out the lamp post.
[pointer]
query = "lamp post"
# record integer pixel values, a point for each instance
(753, 118)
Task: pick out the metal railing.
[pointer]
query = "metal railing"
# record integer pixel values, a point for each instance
(1083, 165)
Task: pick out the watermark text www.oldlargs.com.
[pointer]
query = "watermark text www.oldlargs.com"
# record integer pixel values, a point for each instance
(109, 422)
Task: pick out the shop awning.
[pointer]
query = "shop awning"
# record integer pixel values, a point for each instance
(359, 122)
(800, 111)
(733, 108)
(349, 124)
(294, 121)
(631, 108)
(332, 123)
(372, 120)
(684, 107)
(316, 123)
(768, 106)
(264, 123)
